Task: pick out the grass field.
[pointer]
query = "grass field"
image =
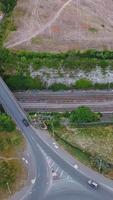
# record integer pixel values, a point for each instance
(94, 140)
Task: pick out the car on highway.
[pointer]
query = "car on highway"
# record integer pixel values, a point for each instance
(26, 123)
(92, 184)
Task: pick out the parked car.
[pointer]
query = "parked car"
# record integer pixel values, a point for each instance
(93, 184)
(26, 123)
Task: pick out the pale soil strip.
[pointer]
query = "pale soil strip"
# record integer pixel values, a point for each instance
(27, 38)
(7, 159)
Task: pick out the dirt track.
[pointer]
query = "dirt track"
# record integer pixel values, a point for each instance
(62, 25)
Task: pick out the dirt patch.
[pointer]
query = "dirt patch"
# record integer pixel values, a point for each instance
(62, 25)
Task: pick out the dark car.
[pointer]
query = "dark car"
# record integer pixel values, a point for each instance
(93, 184)
(26, 123)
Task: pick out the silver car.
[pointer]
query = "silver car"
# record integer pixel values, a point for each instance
(93, 184)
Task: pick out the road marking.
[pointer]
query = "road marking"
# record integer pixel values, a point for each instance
(76, 166)
(49, 161)
(26, 162)
(61, 174)
(33, 180)
(52, 164)
(56, 169)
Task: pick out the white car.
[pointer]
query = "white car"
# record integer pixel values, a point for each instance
(93, 184)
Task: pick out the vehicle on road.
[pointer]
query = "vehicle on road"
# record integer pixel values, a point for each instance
(26, 123)
(93, 184)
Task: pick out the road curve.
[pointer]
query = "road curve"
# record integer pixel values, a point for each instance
(42, 181)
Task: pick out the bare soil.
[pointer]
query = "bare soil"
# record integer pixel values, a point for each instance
(60, 25)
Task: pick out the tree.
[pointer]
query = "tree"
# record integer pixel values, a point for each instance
(83, 114)
(8, 5)
(6, 124)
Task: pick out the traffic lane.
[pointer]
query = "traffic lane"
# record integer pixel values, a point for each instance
(69, 195)
(74, 162)
(42, 179)
(70, 190)
(70, 170)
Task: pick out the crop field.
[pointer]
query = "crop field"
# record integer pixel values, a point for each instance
(60, 25)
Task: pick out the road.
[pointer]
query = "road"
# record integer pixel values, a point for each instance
(42, 179)
(98, 101)
(43, 147)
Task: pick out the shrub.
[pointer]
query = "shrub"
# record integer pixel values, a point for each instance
(24, 83)
(83, 114)
(6, 124)
(8, 5)
(83, 84)
(58, 86)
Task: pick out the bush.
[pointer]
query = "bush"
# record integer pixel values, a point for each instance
(58, 86)
(83, 114)
(24, 83)
(8, 5)
(6, 124)
(83, 84)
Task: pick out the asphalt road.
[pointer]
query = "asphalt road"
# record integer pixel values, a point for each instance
(42, 186)
(42, 180)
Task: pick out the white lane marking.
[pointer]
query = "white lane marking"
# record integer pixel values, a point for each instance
(56, 170)
(49, 161)
(26, 161)
(33, 180)
(56, 146)
(52, 164)
(61, 173)
(76, 166)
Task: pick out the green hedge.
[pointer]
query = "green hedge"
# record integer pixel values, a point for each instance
(24, 83)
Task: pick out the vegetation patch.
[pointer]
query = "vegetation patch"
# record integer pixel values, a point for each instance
(93, 30)
(13, 173)
(83, 84)
(24, 82)
(83, 114)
